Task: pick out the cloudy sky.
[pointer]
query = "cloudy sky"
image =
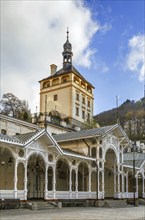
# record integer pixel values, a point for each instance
(107, 37)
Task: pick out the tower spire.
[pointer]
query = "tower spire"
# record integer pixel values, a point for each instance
(67, 52)
(67, 33)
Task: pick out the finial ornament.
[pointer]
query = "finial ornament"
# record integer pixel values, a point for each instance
(67, 32)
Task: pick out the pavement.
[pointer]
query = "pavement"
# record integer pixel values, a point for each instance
(78, 213)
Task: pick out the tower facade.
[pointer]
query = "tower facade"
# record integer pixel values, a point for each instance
(67, 92)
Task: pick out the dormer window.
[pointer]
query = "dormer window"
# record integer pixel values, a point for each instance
(55, 82)
(64, 80)
(89, 89)
(3, 131)
(46, 84)
(83, 85)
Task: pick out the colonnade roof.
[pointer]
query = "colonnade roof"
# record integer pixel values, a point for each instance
(25, 137)
(24, 140)
(139, 159)
(21, 139)
(84, 133)
(4, 137)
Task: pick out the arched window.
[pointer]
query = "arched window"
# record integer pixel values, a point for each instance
(83, 175)
(62, 176)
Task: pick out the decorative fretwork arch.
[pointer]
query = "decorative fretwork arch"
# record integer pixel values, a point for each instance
(83, 174)
(7, 165)
(10, 150)
(62, 175)
(111, 147)
(33, 153)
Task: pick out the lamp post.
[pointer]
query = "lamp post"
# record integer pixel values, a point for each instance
(134, 180)
(96, 180)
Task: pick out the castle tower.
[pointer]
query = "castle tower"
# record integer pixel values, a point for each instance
(66, 92)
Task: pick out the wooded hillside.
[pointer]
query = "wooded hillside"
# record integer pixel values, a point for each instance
(131, 116)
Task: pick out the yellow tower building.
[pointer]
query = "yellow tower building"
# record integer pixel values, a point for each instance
(66, 92)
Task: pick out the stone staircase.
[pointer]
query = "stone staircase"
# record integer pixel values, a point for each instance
(46, 205)
(41, 205)
(108, 203)
(116, 204)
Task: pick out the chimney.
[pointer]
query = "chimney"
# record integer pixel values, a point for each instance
(53, 69)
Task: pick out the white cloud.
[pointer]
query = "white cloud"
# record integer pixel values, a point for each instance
(33, 34)
(105, 28)
(135, 60)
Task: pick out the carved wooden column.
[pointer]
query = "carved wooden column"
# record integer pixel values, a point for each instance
(103, 181)
(46, 181)
(137, 184)
(114, 178)
(118, 174)
(143, 186)
(15, 178)
(25, 180)
(123, 185)
(54, 181)
(76, 183)
(127, 184)
(70, 183)
(89, 182)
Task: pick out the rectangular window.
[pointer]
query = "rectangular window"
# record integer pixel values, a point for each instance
(77, 96)
(77, 111)
(88, 103)
(55, 98)
(88, 116)
(83, 100)
(83, 114)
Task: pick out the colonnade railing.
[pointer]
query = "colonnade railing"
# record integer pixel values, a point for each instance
(21, 194)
